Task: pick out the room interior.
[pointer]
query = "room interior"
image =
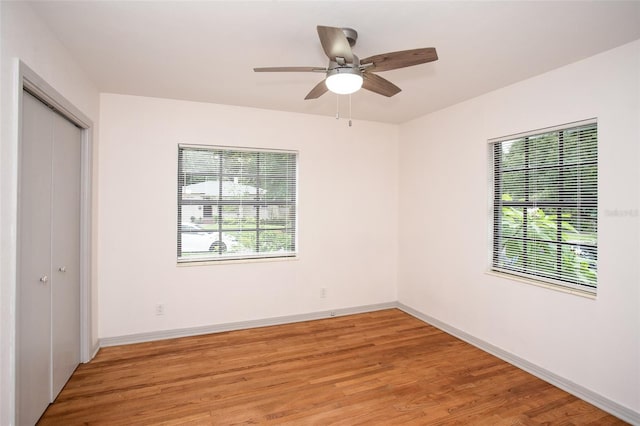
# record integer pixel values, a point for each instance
(394, 210)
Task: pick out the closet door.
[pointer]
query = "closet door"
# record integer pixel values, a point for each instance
(65, 255)
(34, 285)
(48, 329)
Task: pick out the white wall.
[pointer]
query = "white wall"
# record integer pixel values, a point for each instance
(444, 225)
(26, 37)
(347, 216)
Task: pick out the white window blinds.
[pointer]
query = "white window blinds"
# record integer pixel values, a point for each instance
(545, 206)
(235, 204)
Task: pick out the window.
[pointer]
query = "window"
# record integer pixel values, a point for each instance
(545, 200)
(235, 203)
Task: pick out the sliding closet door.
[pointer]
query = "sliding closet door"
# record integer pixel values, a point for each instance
(65, 256)
(34, 285)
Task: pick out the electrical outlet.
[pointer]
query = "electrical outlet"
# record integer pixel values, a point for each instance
(333, 313)
(323, 292)
(160, 309)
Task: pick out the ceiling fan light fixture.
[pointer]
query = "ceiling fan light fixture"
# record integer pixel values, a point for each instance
(344, 81)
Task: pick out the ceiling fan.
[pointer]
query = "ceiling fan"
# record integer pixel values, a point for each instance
(346, 73)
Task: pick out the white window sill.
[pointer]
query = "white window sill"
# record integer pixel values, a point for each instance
(549, 286)
(237, 261)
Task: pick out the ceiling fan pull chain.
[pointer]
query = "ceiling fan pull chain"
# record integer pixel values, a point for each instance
(350, 124)
(337, 107)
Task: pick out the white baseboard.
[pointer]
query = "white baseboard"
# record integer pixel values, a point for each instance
(620, 411)
(207, 329)
(94, 350)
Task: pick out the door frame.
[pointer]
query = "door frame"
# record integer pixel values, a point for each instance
(30, 81)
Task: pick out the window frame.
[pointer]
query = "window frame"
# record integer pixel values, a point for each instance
(291, 203)
(495, 213)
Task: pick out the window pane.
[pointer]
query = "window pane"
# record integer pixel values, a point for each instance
(273, 217)
(235, 204)
(245, 242)
(198, 240)
(541, 258)
(512, 154)
(275, 241)
(508, 246)
(543, 150)
(580, 145)
(579, 226)
(512, 222)
(542, 224)
(544, 185)
(581, 183)
(240, 162)
(276, 188)
(513, 186)
(196, 213)
(545, 205)
(510, 254)
(200, 162)
(579, 265)
(238, 217)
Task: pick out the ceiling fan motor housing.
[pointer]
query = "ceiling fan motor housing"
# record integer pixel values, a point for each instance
(333, 65)
(344, 70)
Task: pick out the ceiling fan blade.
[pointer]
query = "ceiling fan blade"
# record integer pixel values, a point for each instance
(290, 69)
(319, 90)
(379, 85)
(335, 44)
(401, 59)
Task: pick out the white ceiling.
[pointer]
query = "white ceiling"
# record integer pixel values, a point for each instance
(205, 51)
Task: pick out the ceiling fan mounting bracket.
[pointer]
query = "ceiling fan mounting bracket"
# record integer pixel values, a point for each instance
(351, 35)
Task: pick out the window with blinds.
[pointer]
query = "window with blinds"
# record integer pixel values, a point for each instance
(545, 205)
(235, 203)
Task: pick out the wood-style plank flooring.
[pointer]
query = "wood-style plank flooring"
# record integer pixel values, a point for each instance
(378, 368)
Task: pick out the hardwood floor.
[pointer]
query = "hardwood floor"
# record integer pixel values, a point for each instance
(383, 367)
